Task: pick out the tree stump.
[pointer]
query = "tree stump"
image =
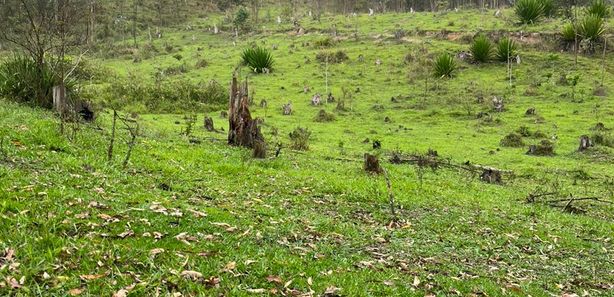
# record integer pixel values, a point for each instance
(491, 176)
(209, 124)
(263, 103)
(372, 164)
(585, 143)
(242, 130)
(287, 109)
(498, 105)
(530, 111)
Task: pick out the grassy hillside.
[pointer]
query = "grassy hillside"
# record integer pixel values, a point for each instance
(194, 216)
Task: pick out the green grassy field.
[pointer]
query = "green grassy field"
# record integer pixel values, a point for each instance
(206, 219)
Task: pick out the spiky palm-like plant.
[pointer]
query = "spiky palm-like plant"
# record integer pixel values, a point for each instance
(591, 28)
(481, 49)
(444, 66)
(259, 59)
(529, 11)
(506, 49)
(599, 8)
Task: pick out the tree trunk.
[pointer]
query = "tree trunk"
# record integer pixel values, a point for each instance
(59, 99)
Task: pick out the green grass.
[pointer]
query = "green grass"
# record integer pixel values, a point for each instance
(315, 218)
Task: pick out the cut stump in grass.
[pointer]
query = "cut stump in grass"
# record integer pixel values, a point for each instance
(372, 164)
(243, 130)
(585, 143)
(209, 124)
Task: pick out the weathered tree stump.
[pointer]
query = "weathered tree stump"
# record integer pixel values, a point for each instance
(264, 103)
(209, 124)
(372, 164)
(259, 151)
(223, 114)
(491, 176)
(585, 143)
(287, 109)
(530, 111)
(242, 130)
(498, 105)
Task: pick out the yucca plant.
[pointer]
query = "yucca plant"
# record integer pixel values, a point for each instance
(444, 66)
(21, 80)
(481, 49)
(529, 11)
(258, 59)
(599, 8)
(568, 33)
(591, 28)
(506, 49)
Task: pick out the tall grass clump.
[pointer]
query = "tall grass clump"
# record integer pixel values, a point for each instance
(21, 80)
(599, 8)
(444, 66)
(592, 28)
(568, 33)
(506, 49)
(529, 11)
(481, 49)
(259, 59)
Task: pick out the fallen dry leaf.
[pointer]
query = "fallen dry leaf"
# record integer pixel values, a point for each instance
(212, 282)
(123, 292)
(416, 281)
(156, 251)
(89, 277)
(332, 291)
(274, 279)
(126, 234)
(256, 291)
(230, 266)
(193, 275)
(75, 292)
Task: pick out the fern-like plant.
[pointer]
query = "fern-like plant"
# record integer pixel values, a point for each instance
(529, 11)
(592, 28)
(481, 49)
(444, 66)
(599, 8)
(259, 59)
(506, 49)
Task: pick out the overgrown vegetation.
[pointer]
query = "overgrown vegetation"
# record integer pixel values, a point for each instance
(258, 59)
(481, 49)
(506, 49)
(529, 11)
(444, 66)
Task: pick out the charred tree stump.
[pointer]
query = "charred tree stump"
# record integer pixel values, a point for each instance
(585, 143)
(372, 164)
(209, 124)
(243, 130)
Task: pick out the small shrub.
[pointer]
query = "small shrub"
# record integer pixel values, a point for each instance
(202, 63)
(512, 140)
(325, 42)
(324, 116)
(603, 138)
(544, 148)
(332, 57)
(506, 49)
(241, 18)
(444, 66)
(300, 139)
(599, 8)
(529, 11)
(524, 131)
(481, 49)
(178, 57)
(258, 59)
(592, 28)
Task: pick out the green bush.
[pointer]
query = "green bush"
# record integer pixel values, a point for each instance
(259, 59)
(592, 28)
(481, 49)
(506, 49)
(241, 18)
(548, 8)
(332, 57)
(529, 11)
(599, 8)
(568, 33)
(22, 81)
(444, 66)
(300, 139)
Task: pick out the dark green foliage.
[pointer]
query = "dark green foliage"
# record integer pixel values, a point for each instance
(548, 8)
(481, 49)
(444, 66)
(21, 79)
(592, 28)
(506, 49)
(529, 11)
(544, 148)
(300, 139)
(324, 116)
(603, 138)
(568, 33)
(241, 18)
(512, 140)
(599, 8)
(259, 59)
(332, 57)
(324, 42)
